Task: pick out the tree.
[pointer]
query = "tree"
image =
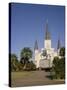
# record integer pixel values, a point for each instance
(30, 66)
(55, 61)
(33, 66)
(59, 68)
(62, 52)
(26, 54)
(14, 62)
(62, 68)
(59, 64)
(56, 66)
(62, 62)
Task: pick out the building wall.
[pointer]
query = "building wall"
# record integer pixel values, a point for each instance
(47, 44)
(42, 61)
(37, 58)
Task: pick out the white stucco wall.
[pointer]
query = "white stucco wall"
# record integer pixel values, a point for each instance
(47, 44)
(42, 61)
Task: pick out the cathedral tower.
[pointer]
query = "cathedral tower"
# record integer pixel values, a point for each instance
(36, 52)
(47, 41)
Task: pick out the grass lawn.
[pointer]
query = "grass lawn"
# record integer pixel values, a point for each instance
(22, 74)
(30, 78)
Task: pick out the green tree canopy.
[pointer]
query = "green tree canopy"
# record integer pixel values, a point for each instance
(62, 51)
(26, 54)
(55, 61)
(59, 64)
(14, 62)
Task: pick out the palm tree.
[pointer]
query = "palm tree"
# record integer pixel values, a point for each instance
(26, 54)
(14, 62)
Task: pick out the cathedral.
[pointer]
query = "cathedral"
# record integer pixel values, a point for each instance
(44, 57)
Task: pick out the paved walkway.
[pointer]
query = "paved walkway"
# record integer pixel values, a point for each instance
(37, 78)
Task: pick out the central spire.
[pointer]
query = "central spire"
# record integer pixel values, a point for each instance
(47, 35)
(36, 45)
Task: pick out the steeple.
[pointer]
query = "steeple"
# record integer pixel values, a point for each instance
(36, 45)
(47, 35)
(58, 44)
(47, 40)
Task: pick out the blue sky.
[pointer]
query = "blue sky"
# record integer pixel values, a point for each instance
(28, 23)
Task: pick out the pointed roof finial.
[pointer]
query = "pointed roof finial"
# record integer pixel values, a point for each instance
(36, 45)
(47, 35)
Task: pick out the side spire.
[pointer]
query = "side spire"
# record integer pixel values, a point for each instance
(47, 35)
(58, 44)
(36, 45)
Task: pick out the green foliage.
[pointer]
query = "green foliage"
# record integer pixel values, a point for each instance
(59, 67)
(55, 61)
(59, 64)
(30, 66)
(62, 52)
(24, 63)
(62, 67)
(15, 64)
(26, 54)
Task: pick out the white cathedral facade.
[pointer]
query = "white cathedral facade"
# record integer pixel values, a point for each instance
(45, 56)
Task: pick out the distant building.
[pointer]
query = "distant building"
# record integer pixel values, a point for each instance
(44, 58)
